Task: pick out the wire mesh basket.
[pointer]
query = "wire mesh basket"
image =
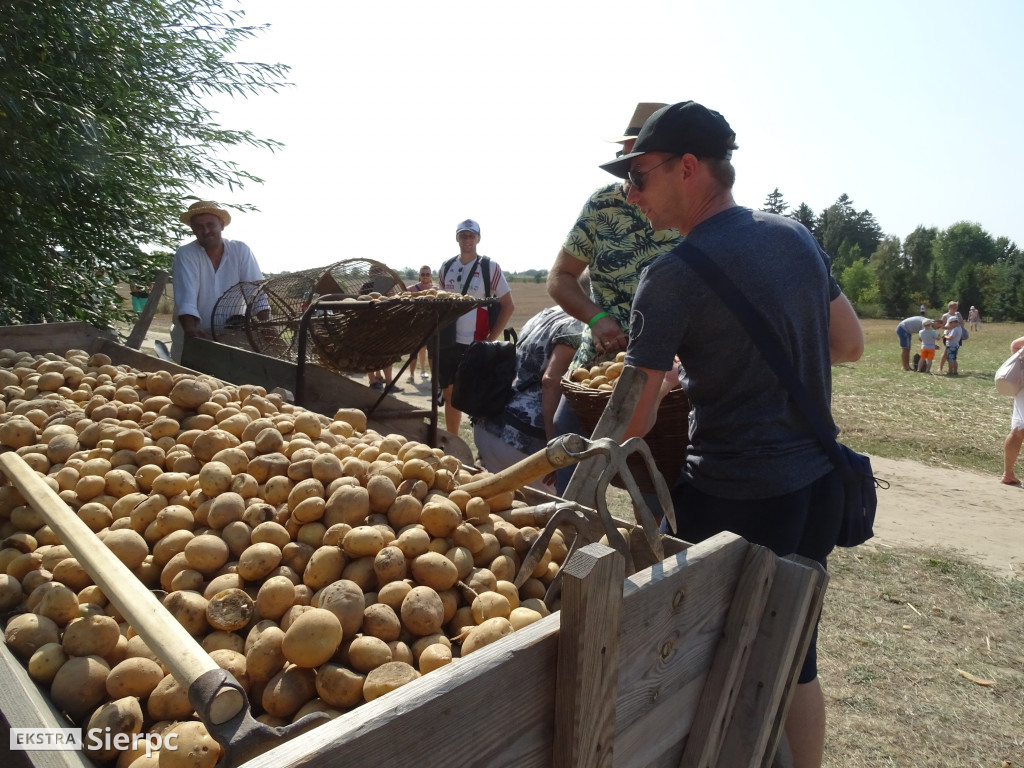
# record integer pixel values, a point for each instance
(363, 317)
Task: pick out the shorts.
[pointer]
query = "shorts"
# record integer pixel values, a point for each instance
(1017, 421)
(951, 353)
(927, 354)
(904, 337)
(449, 364)
(805, 522)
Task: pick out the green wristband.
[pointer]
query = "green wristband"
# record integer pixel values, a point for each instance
(597, 317)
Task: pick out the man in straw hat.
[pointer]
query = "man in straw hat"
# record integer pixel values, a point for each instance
(615, 242)
(203, 270)
(753, 466)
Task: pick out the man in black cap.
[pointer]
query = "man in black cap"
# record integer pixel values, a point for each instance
(753, 466)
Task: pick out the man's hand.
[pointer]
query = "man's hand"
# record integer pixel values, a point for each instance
(608, 336)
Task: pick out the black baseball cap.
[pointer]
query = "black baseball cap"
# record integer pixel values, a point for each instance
(679, 129)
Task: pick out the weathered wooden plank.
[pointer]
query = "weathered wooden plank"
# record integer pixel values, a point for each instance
(673, 618)
(51, 337)
(588, 658)
(722, 685)
(810, 619)
(24, 706)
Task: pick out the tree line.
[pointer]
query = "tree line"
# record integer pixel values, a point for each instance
(884, 276)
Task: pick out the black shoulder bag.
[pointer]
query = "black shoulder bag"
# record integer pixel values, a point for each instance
(859, 484)
(483, 380)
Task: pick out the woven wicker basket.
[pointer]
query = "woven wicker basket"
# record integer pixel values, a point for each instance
(667, 439)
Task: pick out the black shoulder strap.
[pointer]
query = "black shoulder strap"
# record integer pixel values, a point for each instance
(485, 268)
(767, 342)
(445, 267)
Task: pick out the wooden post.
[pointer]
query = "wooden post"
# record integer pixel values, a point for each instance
(588, 658)
(138, 333)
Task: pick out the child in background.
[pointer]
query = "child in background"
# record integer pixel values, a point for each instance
(929, 342)
(952, 336)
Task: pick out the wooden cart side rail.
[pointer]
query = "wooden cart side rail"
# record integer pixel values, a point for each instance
(52, 337)
(24, 706)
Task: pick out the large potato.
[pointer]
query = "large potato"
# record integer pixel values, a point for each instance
(196, 748)
(80, 685)
(122, 716)
(289, 690)
(485, 634)
(422, 611)
(136, 676)
(387, 678)
(27, 633)
(345, 600)
(91, 636)
(312, 638)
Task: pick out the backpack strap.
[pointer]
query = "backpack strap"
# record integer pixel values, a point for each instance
(445, 267)
(485, 269)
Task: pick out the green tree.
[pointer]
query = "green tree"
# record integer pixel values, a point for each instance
(775, 204)
(104, 130)
(893, 278)
(804, 215)
(919, 256)
(961, 245)
(840, 223)
(859, 283)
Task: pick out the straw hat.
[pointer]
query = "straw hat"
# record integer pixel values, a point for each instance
(643, 110)
(205, 206)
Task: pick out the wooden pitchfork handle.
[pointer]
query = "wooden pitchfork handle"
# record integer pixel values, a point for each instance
(170, 642)
(560, 452)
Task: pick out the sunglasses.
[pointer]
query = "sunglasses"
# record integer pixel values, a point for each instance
(638, 178)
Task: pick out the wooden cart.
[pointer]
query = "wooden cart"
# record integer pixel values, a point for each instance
(689, 662)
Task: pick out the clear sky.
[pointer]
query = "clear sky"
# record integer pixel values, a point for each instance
(407, 117)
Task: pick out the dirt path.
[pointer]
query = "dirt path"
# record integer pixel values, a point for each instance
(968, 511)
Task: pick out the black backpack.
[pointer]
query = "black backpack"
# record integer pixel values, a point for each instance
(483, 380)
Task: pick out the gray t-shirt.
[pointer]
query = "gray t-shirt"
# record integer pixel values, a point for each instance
(747, 439)
(912, 324)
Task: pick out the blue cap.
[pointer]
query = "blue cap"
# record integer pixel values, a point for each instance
(468, 226)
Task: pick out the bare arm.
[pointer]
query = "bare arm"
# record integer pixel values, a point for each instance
(550, 391)
(564, 288)
(845, 336)
(504, 315)
(1016, 344)
(659, 384)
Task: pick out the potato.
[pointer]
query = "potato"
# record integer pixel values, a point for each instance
(363, 541)
(265, 657)
(55, 601)
(366, 653)
(206, 553)
(485, 634)
(387, 678)
(195, 747)
(422, 611)
(345, 600)
(488, 605)
(44, 663)
(230, 610)
(189, 608)
(434, 657)
(168, 701)
(190, 393)
(288, 690)
(522, 617)
(10, 592)
(432, 569)
(135, 676)
(120, 718)
(324, 567)
(276, 595)
(348, 504)
(80, 685)
(91, 636)
(339, 686)
(440, 517)
(234, 662)
(215, 478)
(258, 560)
(312, 638)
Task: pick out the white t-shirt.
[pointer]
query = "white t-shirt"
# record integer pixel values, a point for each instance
(197, 287)
(465, 326)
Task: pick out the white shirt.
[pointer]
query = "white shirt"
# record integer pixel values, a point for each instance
(465, 326)
(197, 287)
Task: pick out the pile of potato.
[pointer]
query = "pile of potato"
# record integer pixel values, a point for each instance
(429, 293)
(321, 563)
(600, 376)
